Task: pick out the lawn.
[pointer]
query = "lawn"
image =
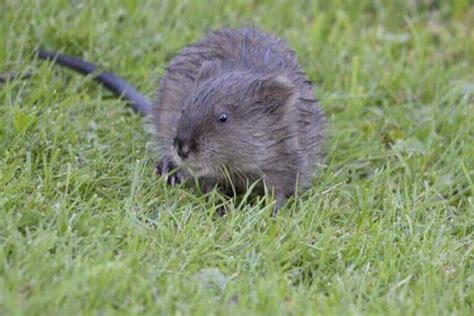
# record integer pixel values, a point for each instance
(387, 227)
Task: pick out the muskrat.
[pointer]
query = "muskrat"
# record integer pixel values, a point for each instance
(235, 108)
(232, 109)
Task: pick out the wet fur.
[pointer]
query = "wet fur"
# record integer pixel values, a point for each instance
(275, 126)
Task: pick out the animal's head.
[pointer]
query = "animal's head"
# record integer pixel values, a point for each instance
(230, 118)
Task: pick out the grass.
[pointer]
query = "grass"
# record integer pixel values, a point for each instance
(387, 228)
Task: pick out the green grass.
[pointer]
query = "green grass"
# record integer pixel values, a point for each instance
(387, 228)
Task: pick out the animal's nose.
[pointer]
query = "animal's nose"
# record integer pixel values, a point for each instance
(182, 147)
(183, 151)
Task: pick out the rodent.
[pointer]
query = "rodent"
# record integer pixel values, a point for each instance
(232, 109)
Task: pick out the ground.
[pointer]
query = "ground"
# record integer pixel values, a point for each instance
(387, 228)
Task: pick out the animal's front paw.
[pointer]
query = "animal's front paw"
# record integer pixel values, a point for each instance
(167, 168)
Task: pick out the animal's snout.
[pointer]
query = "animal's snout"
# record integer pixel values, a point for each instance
(182, 147)
(183, 150)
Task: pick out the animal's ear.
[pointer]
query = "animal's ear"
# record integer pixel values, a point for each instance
(275, 92)
(208, 68)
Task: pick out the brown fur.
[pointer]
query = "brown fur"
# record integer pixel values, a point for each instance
(274, 127)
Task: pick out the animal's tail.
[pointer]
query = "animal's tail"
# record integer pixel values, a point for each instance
(118, 86)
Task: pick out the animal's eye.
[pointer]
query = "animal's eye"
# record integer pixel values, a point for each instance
(222, 118)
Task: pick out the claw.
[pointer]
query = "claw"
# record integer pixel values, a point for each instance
(167, 169)
(221, 210)
(159, 169)
(280, 200)
(164, 166)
